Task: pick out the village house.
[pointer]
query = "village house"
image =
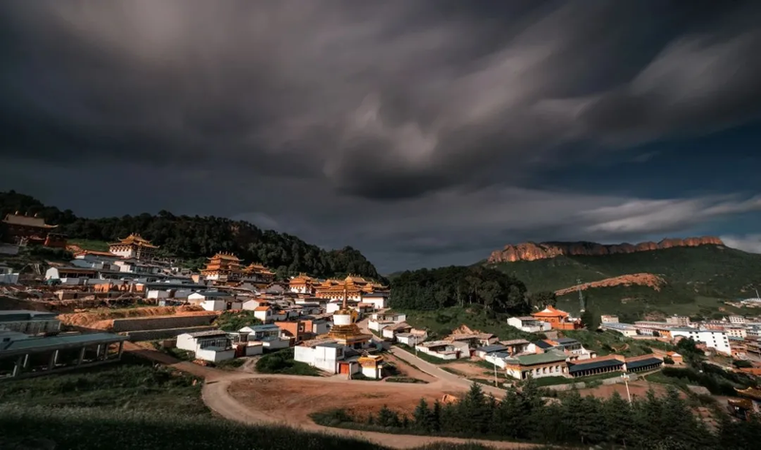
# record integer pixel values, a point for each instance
(378, 300)
(264, 313)
(676, 357)
(412, 338)
(71, 276)
(390, 331)
(481, 352)
(7, 275)
(680, 321)
(378, 321)
(515, 346)
(269, 335)
(558, 320)
(213, 346)
(594, 366)
(447, 350)
(371, 366)
(529, 324)
(474, 340)
(214, 300)
(242, 345)
(655, 329)
(133, 246)
(605, 318)
(644, 363)
(298, 330)
(328, 355)
(549, 364)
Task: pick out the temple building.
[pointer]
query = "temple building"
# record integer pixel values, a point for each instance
(223, 267)
(27, 230)
(302, 284)
(257, 274)
(133, 246)
(354, 287)
(558, 320)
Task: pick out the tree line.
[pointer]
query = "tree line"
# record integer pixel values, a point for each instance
(189, 237)
(497, 292)
(649, 422)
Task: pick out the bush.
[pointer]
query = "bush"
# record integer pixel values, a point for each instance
(741, 363)
(282, 362)
(668, 360)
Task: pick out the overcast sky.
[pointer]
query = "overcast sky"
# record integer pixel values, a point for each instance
(423, 133)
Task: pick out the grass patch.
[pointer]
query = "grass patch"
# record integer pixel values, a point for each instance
(424, 356)
(609, 342)
(231, 364)
(405, 380)
(282, 362)
(440, 323)
(454, 371)
(89, 244)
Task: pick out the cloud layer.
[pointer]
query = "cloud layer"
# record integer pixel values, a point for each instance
(408, 129)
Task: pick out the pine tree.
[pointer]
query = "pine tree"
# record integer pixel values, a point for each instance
(436, 416)
(617, 415)
(508, 419)
(423, 416)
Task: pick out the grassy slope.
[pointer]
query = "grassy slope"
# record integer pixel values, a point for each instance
(134, 406)
(696, 278)
(88, 244)
(441, 323)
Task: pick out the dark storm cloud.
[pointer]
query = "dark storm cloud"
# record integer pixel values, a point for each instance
(400, 127)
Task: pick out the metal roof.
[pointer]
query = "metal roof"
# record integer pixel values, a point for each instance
(543, 344)
(60, 342)
(642, 363)
(582, 366)
(541, 358)
(25, 314)
(567, 341)
(208, 333)
(491, 348)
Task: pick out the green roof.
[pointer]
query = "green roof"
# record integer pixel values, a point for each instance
(540, 358)
(59, 342)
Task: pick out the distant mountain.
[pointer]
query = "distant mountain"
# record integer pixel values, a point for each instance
(197, 237)
(530, 251)
(693, 278)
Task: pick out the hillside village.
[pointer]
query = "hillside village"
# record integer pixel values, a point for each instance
(90, 310)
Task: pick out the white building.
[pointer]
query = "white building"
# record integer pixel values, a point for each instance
(390, 331)
(379, 321)
(413, 338)
(72, 276)
(252, 304)
(379, 300)
(7, 276)
(214, 346)
(626, 329)
(529, 324)
(214, 300)
(269, 335)
(448, 350)
(606, 318)
(736, 331)
(326, 355)
(715, 339)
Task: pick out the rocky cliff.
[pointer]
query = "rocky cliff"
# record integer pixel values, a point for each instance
(530, 251)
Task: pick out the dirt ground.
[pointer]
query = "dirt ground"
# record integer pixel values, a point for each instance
(406, 370)
(469, 369)
(281, 398)
(637, 389)
(103, 319)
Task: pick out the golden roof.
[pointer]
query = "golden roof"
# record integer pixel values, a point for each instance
(135, 239)
(256, 267)
(225, 256)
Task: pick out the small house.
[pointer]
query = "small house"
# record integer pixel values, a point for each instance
(481, 352)
(213, 346)
(447, 350)
(269, 335)
(529, 324)
(412, 338)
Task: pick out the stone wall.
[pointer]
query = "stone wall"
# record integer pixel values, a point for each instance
(161, 322)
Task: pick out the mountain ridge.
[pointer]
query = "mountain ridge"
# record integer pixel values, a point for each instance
(531, 251)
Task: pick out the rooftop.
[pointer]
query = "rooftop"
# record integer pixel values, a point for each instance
(25, 314)
(208, 333)
(61, 341)
(491, 348)
(515, 342)
(595, 363)
(541, 358)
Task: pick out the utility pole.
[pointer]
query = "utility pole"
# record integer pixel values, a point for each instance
(625, 377)
(581, 296)
(496, 383)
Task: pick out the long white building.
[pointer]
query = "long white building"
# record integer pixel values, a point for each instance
(715, 339)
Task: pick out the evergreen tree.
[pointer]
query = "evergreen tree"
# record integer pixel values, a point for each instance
(388, 418)
(508, 418)
(617, 419)
(423, 416)
(436, 416)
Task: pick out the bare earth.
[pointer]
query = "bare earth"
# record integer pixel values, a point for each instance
(641, 279)
(468, 369)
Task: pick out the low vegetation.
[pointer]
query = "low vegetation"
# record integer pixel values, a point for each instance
(648, 423)
(440, 323)
(90, 244)
(282, 362)
(136, 406)
(235, 320)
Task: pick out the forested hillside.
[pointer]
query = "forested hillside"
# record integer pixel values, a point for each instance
(433, 289)
(192, 237)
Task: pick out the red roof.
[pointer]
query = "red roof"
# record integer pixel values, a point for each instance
(550, 311)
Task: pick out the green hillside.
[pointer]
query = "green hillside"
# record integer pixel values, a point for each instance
(699, 279)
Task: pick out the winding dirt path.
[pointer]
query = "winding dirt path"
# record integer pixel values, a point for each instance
(217, 397)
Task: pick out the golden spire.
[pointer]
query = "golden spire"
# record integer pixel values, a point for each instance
(345, 305)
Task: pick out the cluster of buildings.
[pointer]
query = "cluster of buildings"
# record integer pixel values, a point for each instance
(733, 335)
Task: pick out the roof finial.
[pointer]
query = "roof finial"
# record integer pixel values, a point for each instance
(345, 302)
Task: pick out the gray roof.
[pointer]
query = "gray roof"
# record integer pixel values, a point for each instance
(331, 345)
(25, 314)
(491, 348)
(567, 341)
(214, 294)
(59, 342)
(268, 327)
(208, 333)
